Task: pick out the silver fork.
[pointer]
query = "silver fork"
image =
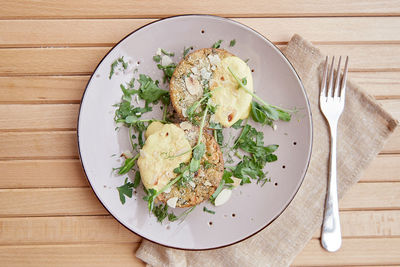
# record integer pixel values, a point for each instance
(331, 102)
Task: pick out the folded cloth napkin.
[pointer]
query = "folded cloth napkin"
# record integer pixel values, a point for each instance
(363, 129)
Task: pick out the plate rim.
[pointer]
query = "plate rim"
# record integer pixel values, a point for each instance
(302, 88)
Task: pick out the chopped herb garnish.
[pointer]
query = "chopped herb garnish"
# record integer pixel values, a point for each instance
(125, 190)
(149, 90)
(161, 212)
(168, 71)
(217, 44)
(237, 125)
(157, 58)
(207, 210)
(232, 43)
(128, 165)
(186, 50)
(263, 113)
(137, 179)
(115, 64)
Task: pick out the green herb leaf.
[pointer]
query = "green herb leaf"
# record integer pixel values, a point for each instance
(217, 44)
(128, 165)
(219, 137)
(170, 54)
(149, 91)
(125, 190)
(207, 210)
(215, 126)
(232, 43)
(199, 151)
(136, 183)
(161, 212)
(168, 71)
(227, 177)
(186, 50)
(157, 58)
(237, 125)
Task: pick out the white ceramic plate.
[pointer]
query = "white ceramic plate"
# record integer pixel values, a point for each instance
(251, 207)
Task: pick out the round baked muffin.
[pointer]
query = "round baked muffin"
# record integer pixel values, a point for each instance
(210, 69)
(205, 180)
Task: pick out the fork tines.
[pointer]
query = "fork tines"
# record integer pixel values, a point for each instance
(334, 91)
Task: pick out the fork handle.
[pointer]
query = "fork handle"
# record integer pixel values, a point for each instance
(331, 238)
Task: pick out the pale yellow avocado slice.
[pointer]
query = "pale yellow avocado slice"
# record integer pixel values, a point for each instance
(156, 161)
(232, 102)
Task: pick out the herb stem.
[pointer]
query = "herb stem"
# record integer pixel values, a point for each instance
(164, 112)
(241, 133)
(130, 137)
(247, 90)
(170, 183)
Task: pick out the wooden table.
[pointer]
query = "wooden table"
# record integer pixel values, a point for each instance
(48, 214)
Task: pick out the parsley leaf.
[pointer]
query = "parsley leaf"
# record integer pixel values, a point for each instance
(217, 44)
(125, 190)
(232, 43)
(115, 64)
(149, 90)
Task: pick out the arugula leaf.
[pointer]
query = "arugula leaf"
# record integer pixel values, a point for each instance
(186, 50)
(149, 91)
(125, 190)
(237, 125)
(232, 43)
(207, 210)
(137, 179)
(217, 44)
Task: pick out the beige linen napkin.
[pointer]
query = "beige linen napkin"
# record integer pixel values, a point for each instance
(363, 129)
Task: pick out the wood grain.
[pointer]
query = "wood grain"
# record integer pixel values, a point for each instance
(82, 201)
(59, 230)
(38, 145)
(69, 173)
(42, 173)
(151, 9)
(42, 89)
(38, 117)
(83, 60)
(69, 89)
(70, 255)
(100, 32)
(364, 251)
(84, 229)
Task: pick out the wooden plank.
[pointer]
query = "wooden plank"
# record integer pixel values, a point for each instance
(49, 202)
(384, 168)
(38, 117)
(84, 255)
(97, 32)
(364, 251)
(375, 196)
(368, 224)
(80, 229)
(82, 201)
(139, 9)
(42, 173)
(68, 173)
(382, 85)
(42, 89)
(38, 145)
(50, 61)
(69, 89)
(59, 230)
(83, 60)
